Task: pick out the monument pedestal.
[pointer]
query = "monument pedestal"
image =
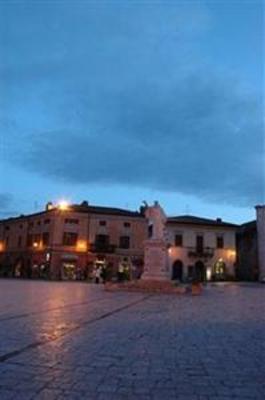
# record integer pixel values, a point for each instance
(155, 260)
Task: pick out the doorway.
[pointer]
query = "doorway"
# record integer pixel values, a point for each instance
(177, 271)
(200, 271)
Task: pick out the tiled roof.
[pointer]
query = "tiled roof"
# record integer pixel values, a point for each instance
(248, 226)
(83, 209)
(192, 220)
(105, 210)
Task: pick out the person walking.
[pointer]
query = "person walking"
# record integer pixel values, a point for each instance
(120, 272)
(97, 275)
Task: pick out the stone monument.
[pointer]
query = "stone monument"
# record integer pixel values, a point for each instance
(260, 212)
(156, 266)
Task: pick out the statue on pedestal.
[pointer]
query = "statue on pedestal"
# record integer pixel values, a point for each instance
(155, 249)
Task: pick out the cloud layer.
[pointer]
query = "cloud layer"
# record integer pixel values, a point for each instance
(128, 96)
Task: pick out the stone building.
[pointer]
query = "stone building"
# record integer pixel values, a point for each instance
(201, 247)
(247, 252)
(66, 241)
(187, 247)
(260, 212)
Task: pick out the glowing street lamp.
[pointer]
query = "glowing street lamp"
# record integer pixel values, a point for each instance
(81, 245)
(63, 205)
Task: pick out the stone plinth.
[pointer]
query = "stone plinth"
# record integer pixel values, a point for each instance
(155, 260)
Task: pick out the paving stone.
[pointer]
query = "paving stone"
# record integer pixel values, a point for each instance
(73, 341)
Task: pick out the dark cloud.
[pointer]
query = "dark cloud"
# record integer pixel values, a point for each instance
(201, 135)
(124, 94)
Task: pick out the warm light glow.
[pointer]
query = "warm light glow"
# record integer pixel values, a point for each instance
(170, 250)
(63, 205)
(81, 245)
(2, 247)
(231, 254)
(35, 244)
(209, 274)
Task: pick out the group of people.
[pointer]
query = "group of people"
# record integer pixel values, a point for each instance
(102, 274)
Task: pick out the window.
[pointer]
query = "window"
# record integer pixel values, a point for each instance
(31, 224)
(19, 242)
(220, 242)
(199, 243)
(70, 238)
(127, 224)
(29, 240)
(47, 221)
(71, 221)
(39, 222)
(7, 228)
(21, 226)
(7, 241)
(102, 223)
(178, 240)
(150, 231)
(37, 238)
(124, 242)
(45, 238)
(102, 241)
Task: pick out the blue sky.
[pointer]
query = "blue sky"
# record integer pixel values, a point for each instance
(118, 102)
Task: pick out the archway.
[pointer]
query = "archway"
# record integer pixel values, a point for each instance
(177, 270)
(200, 271)
(219, 270)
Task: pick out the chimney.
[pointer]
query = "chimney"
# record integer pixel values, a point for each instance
(219, 220)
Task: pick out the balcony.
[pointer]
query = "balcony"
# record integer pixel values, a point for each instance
(205, 252)
(102, 248)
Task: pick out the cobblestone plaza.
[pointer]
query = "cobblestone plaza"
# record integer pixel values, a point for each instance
(63, 340)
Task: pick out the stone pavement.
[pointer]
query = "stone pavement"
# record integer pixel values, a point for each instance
(75, 341)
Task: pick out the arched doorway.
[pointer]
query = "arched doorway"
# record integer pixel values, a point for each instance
(177, 270)
(200, 271)
(219, 270)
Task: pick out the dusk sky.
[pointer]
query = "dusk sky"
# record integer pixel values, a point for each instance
(116, 102)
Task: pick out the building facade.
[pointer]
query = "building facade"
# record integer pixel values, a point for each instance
(201, 248)
(68, 241)
(247, 252)
(260, 213)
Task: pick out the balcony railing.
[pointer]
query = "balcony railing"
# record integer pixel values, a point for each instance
(205, 252)
(102, 248)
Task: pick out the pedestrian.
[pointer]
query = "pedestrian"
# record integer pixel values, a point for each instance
(97, 275)
(120, 272)
(104, 273)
